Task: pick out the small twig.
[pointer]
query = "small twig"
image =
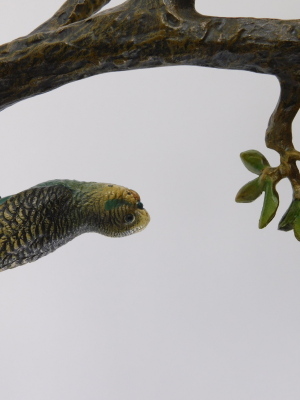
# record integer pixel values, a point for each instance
(71, 11)
(279, 133)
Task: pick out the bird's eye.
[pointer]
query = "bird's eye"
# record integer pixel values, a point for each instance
(129, 218)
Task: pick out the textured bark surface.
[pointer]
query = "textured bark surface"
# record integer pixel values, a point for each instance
(76, 43)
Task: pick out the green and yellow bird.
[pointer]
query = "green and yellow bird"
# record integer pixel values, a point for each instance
(37, 221)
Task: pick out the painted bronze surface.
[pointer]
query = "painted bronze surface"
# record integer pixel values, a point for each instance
(37, 221)
(78, 42)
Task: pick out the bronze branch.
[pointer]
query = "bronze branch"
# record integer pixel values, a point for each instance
(79, 41)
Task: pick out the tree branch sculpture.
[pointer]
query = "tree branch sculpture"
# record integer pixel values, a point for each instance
(78, 42)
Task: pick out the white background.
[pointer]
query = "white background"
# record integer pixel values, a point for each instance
(202, 304)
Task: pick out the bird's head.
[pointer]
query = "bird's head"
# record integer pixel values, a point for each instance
(120, 211)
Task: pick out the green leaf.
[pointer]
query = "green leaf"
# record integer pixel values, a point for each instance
(254, 161)
(250, 192)
(287, 221)
(271, 203)
(297, 228)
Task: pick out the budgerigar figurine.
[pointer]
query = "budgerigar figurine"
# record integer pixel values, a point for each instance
(37, 221)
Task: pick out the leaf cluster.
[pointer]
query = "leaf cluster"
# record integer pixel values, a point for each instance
(265, 183)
